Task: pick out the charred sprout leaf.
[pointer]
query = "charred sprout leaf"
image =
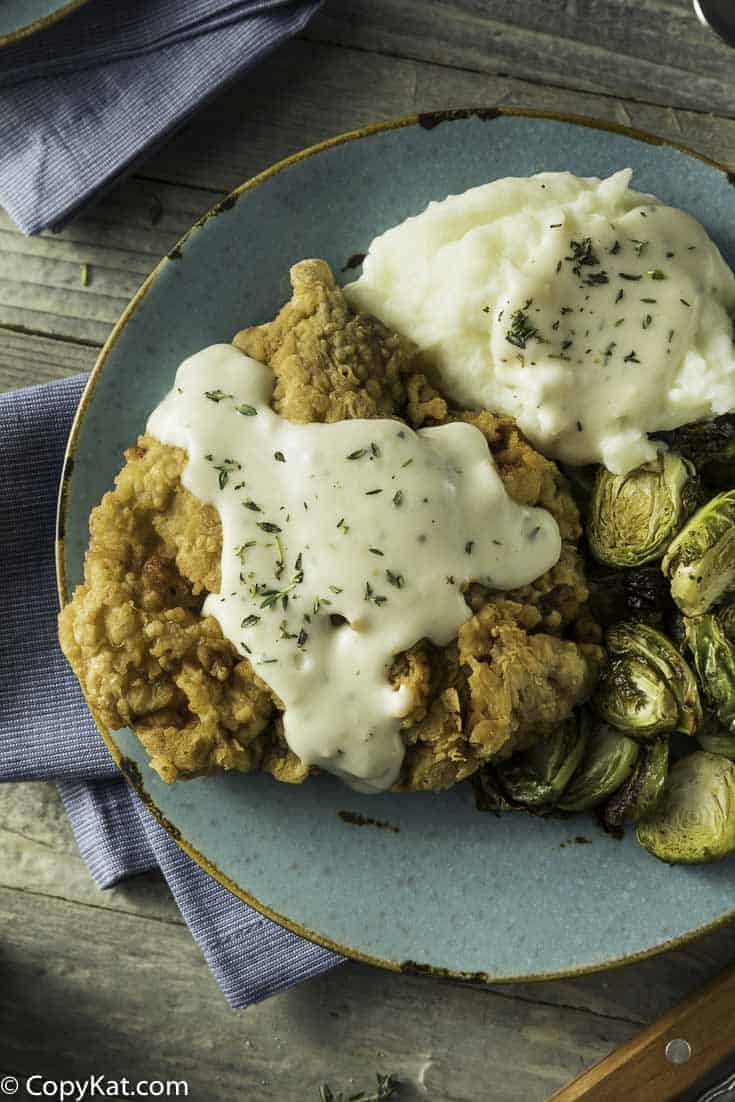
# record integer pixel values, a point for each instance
(710, 445)
(695, 819)
(676, 629)
(714, 660)
(648, 687)
(538, 776)
(608, 761)
(700, 561)
(634, 517)
(489, 794)
(617, 594)
(640, 794)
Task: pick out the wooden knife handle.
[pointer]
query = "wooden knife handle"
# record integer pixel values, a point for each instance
(641, 1071)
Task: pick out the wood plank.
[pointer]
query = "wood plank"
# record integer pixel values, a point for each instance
(120, 239)
(26, 359)
(652, 50)
(41, 857)
(136, 999)
(123, 235)
(641, 1071)
(332, 90)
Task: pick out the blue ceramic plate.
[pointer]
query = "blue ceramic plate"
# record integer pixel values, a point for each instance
(448, 888)
(19, 18)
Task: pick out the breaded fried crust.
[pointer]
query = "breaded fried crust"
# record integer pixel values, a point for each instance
(148, 659)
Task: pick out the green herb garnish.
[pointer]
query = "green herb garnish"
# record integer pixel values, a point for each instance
(521, 330)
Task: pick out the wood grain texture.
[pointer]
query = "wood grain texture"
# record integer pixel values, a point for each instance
(651, 50)
(111, 981)
(136, 998)
(332, 90)
(65, 943)
(640, 1070)
(127, 231)
(25, 359)
(119, 239)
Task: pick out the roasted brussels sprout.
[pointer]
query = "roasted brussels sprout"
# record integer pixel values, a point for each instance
(617, 594)
(489, 795)
(714, 660)
(726, 616)
(695, 818)
(710, 445)
(700, 561)
(634, 517)
(608, 761)
(638, 796)
(718, 742)
(538, 776)
(648, 688)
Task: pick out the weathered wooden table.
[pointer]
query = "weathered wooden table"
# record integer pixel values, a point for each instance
(112, 982)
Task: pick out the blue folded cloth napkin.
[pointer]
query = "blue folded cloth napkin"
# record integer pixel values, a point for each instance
(88, 97)
(46, 731)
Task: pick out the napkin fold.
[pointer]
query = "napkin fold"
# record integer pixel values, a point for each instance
(47, 733)
(87, 98)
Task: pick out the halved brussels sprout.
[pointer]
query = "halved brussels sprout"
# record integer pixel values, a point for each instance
(641, 792)
(489, 795)
(726, 616)
(695, 819)
(714, 661)
(648, 688)
(608, 761)
(700, 561)
(710, 445)
(634, 517)
(539, 775)
(721, 743)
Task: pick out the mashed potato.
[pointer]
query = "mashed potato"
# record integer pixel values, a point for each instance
(591, 313)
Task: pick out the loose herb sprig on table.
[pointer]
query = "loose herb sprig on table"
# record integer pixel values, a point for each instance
(387, 1086)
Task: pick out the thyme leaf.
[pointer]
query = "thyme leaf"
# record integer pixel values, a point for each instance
(521, 330)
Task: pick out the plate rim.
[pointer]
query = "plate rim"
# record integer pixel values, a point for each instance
(128, 768)
(41, 24)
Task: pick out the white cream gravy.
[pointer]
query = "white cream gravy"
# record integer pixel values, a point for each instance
(342, 545)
